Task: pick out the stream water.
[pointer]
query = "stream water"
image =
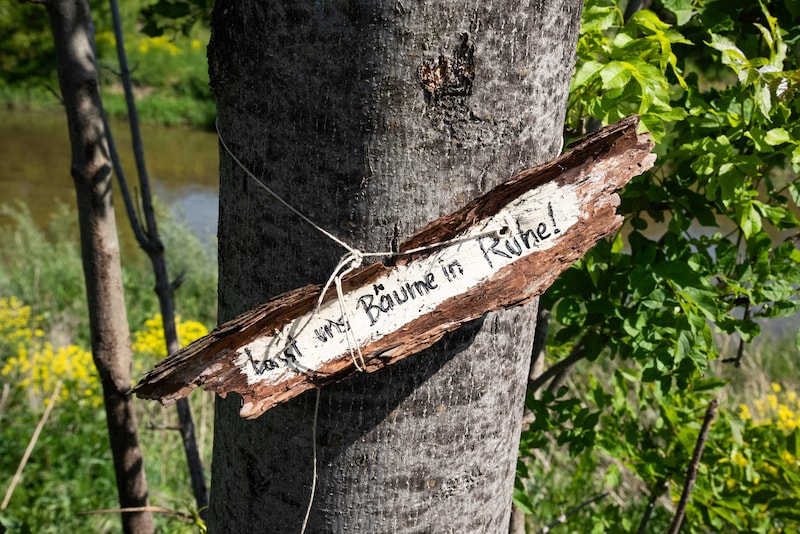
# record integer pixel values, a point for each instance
(35, 170)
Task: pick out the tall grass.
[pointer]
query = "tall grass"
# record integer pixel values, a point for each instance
(42, 267)
(44, 337)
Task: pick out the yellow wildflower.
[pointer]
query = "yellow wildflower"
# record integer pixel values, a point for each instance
(787, 418)
(744, 412)
(35, 365)
(772, 400)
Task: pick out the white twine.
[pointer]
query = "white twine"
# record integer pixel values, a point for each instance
(350, 261)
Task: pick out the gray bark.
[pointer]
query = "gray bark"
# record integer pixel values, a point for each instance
(71, 25)
(324, 100)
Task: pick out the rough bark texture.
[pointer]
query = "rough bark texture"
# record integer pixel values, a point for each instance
(332, 89)
(71, 24)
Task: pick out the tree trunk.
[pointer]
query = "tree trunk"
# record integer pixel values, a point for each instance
(71, 24)
(374, 118)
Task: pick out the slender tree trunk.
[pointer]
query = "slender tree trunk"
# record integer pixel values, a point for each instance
(150, 241)
(374, 118)
(71, 24)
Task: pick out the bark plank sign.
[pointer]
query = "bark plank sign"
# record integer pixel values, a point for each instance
(501, 250)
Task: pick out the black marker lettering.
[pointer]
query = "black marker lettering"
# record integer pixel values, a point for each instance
(372, 311)
(485, 253)
(542, 232)
(515, 251)
(526, 236)
(553, 218)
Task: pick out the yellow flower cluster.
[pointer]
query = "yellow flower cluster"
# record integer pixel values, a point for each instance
(780, 408)
(146, 44)
(36, 366)
(149, 342)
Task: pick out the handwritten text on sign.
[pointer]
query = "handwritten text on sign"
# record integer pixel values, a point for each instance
(499, 250)
(531, 223)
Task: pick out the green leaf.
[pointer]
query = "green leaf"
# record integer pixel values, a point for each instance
(793, 443)
(682, 9)
(598, 18)
(759, 137)
(648, 20)
(522, 501)
(731, 54)
(777, 136)
(585, 72)
(616, 74)
(748, 218)
(613, 477)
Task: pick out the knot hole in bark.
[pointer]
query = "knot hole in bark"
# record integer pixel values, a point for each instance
(449, 77)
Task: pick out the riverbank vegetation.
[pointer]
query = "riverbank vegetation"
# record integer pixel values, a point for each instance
(169, 71)
(44, 346)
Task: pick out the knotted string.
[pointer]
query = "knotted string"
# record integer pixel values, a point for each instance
(350, 261)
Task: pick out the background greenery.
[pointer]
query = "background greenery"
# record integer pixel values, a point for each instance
(44, 340)
(169, 67)
(663, 316)
(659, 320)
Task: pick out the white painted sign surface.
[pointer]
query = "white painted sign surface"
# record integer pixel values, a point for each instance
(531, 223)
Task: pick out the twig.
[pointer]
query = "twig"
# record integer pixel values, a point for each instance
(31, 445)
(4, 399)
(737, 361)
(153, 426)
(151, 243)
(691, 471)
(659, 490)
(138, 509)
(578, 352)
(572, 511)
(54, 93)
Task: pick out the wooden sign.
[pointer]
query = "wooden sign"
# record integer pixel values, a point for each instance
(501, 250)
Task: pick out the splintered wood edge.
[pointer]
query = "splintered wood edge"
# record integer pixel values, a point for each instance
(616, 153)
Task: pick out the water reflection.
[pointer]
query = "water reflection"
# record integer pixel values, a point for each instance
(182, 163)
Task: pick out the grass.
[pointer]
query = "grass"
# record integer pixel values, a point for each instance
(42, 267)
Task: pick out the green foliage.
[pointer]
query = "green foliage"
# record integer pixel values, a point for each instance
(175, 16)
(168, 71)
(708, 251)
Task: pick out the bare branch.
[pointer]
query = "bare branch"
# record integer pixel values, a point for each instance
(578, 352)
(691, 471)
